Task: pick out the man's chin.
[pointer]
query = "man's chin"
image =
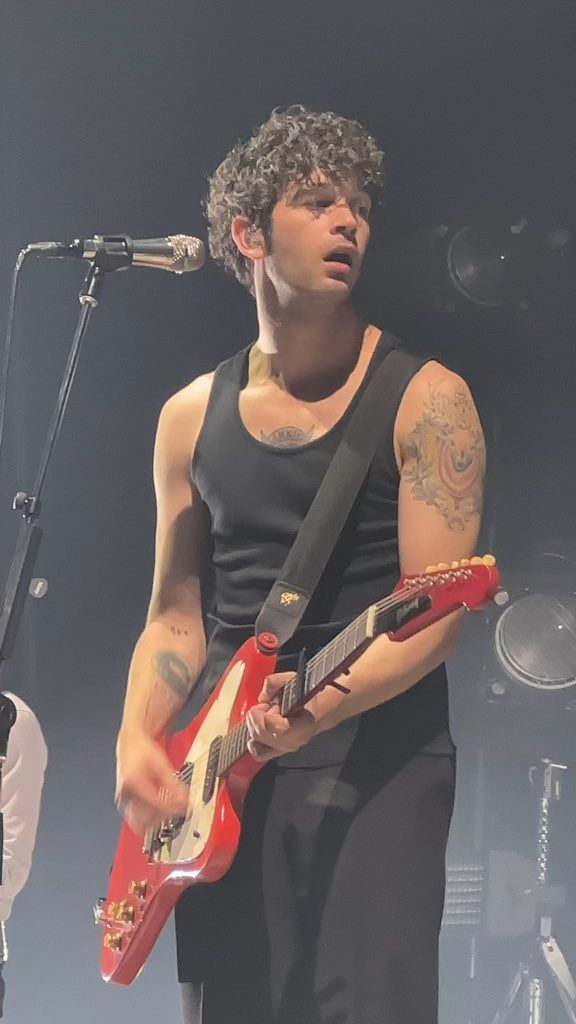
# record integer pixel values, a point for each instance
(334, 284)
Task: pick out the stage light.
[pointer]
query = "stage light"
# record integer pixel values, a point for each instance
(534, 637)
(482, 267)
(491, 266)
(535, 641)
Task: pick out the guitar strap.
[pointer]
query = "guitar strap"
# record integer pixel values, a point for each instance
(290, 595)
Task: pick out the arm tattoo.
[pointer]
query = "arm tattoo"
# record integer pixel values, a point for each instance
(174, 672)
(178, 631)
(446, 458)
(287, 437)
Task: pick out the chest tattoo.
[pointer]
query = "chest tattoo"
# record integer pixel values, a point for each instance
(287, 437)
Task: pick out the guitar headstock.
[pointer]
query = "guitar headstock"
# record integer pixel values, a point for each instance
(423, 598)
(471, 581)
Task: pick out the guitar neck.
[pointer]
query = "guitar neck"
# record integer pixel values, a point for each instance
(323, 667)
(416, 602)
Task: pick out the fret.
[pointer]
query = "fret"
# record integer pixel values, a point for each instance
(242, 740)
(289, 697)
(238, 743)
(321, 669)
(223, 755)
(309, 681)
(339, 648)
(347, 643)
(314, 671)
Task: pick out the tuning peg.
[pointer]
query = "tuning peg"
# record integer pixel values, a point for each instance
(125, 913)
(113, 941)
(489, 560)
(137, 889)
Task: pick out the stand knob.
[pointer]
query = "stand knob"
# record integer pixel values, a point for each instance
(27, 504)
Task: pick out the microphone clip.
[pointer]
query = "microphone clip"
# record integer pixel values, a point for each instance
(109, 252)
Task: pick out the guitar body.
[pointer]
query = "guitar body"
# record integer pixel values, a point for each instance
(211, 757)
(206, 844)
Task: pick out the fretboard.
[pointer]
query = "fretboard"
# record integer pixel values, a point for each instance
(321, 668)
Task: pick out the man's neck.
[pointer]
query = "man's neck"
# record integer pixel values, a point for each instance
(312, 352)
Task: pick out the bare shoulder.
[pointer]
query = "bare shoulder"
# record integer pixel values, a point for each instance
(182, 415)
(438, 397)
(431, 377)
(189, 404)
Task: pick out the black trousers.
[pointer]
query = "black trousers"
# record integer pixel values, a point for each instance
(331, 911)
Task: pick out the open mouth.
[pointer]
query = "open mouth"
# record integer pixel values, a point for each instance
(339, 259)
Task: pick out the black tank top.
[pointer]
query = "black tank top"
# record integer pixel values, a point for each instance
(257, 496)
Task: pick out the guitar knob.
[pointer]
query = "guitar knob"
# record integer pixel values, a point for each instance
(442, 566)
(476, 560)
(431, 568)
(113, 941)
(489, 560)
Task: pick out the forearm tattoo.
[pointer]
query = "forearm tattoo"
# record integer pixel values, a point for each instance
(445, 457)
(287, 437)
(174, 671)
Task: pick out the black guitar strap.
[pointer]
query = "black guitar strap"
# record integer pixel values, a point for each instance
(288, 599)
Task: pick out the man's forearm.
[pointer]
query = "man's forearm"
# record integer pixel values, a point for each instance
(386, 669)
(166, 663)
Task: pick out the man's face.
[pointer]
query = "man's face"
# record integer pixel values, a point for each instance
(318, 238)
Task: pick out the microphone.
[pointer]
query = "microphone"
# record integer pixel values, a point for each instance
(178, 253)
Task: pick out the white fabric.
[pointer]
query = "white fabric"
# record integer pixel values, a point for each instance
(22, 780)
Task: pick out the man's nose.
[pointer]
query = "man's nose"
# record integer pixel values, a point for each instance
(345, 222)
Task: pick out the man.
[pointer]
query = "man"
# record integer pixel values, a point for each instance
(22, 781)
(331, 910)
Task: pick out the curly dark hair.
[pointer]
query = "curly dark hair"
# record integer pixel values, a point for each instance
(289, 147)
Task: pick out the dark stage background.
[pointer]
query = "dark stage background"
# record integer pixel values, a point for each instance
(113, 114)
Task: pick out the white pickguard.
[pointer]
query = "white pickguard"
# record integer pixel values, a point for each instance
(194, 834)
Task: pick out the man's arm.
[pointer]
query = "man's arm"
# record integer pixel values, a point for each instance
(442, 458)
(22, 781)
(441, 455)
(171, 651)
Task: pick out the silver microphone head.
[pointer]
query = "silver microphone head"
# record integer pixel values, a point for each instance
(189, 253)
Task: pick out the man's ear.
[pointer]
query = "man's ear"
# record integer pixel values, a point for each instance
(250, 240)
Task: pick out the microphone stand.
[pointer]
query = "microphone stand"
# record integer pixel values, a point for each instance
(29, 505)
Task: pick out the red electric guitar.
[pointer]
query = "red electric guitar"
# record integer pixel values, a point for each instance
(211, 756)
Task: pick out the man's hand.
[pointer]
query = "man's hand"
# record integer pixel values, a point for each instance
(270, 733)
(147, 790)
